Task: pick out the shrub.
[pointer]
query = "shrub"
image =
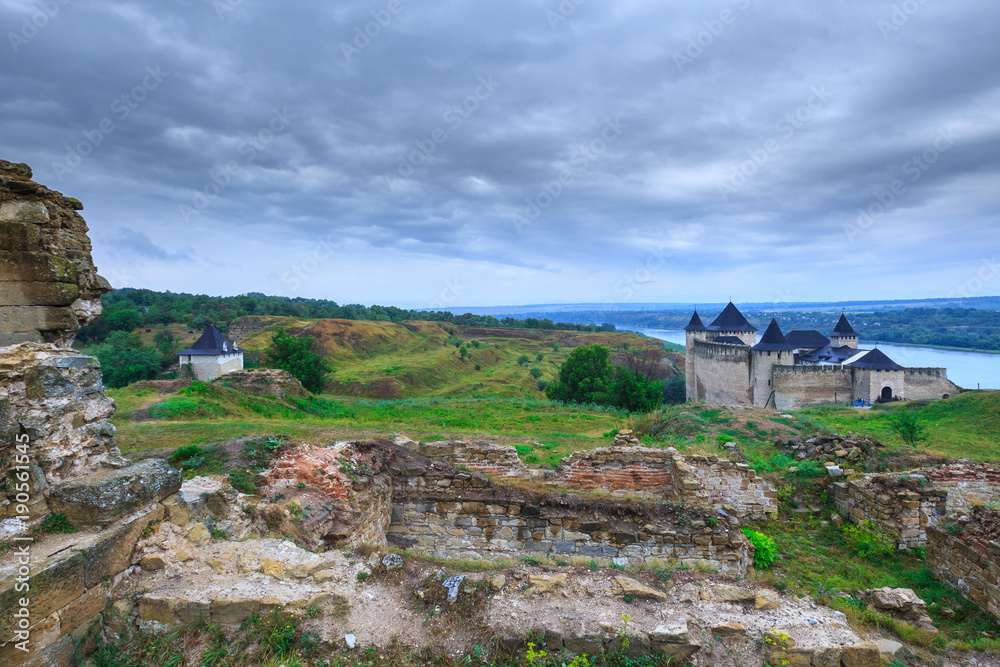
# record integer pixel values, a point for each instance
(765, 550)
(363, 576)
(242, 481)
(523, 359)
(189, 456)
(56, 523)
(810, 469)
(868, 542)
(535, 373)
(295, 355)
(907, 425)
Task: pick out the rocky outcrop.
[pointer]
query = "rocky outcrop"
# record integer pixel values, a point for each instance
(97, 498)
(49, 286)
(263, 382)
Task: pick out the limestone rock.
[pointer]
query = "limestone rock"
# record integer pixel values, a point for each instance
(673, 631)
(730, 629)
(99, 497)
(544, 583)
(184, 555)
(629, 586)
(865, 655)
(392, 561)
(887, 648)
(199, 535)
(178, 511)
(498, 582)
(153, 563)
(723, 593)
(215, 564)
(767, 600)
(324, 576)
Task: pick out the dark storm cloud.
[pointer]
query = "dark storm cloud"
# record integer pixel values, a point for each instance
(389, 150)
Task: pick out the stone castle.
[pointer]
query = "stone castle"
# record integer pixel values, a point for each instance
(726, 364)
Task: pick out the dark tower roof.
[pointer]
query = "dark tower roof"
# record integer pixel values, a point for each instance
(876, 360)
(844, 327)
(773, 340)
(212, 342)
(695, 324)
(731, 319)
(806, 340)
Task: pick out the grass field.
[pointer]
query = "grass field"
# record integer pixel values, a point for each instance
(201, 414)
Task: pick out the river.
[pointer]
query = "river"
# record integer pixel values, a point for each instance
(966, 369)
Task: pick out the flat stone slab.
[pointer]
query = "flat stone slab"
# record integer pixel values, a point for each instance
(100, 497)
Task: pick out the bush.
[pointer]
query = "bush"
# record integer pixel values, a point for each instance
(868, 542)
(907, 425)
(810, 469)
(765, 550)
(535, 373)
(294, 354)
(186, 453)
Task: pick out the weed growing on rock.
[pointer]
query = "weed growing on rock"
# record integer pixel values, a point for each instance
(765, 550)
(56, 523)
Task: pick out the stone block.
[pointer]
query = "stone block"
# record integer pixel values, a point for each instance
(44, 633)
(189, 611)
(233, 611)
(37, 294)
(22, 319)
(53, 582)
(160, 610)
(177, 511)
(30, 212)
(865, 655)
(99, 497)
(112, 552)
(20, 236)
(84, 609)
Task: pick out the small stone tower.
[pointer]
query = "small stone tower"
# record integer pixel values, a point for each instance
(695, 330)
(773, 349)
(844, 334)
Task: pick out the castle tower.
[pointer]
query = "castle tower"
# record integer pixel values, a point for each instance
(731, 322)
(695, 330)
(844, 334)
(773, 349)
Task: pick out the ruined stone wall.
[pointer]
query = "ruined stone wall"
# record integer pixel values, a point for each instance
(445, 511)
(664, 474)
(49, 286)
(928, 383)
(905, 515)
(972, 569)
(801, 386)
(966, 484)
(638, 472)
(486, 457)
(723, 373)
(244, 327)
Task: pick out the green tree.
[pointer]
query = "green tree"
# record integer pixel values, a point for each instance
(675, 391)
(539, 357)
(585, 377)
(535, 373)
(907, 426)
(295, 355)
(634, 391)
(523, 359)
(463, 352)
(124, 359)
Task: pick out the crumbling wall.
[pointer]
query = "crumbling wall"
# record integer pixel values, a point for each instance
(49, 286)
(905, 513)
(449, 512)
(968, 560)
(929, 383)
(967, 484)
(486, 457)
(665, 474)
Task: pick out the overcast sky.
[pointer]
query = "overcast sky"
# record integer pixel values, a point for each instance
(505, 152)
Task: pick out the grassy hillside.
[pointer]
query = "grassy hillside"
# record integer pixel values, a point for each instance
(166, 415)
(964, 425)
(419, 359)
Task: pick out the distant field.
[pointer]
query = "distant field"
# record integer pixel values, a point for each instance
(204, 413)
(421, 359)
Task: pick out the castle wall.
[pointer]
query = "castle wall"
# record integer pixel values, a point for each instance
(868, 383)
(723, 373)
(763, 372)
(967, 484)
(929, 383)
(803, 386)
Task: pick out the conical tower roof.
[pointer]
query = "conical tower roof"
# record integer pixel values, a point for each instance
(695, 324)
(731, 319)
(844, 327)
(773, 340)
(211, 342)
